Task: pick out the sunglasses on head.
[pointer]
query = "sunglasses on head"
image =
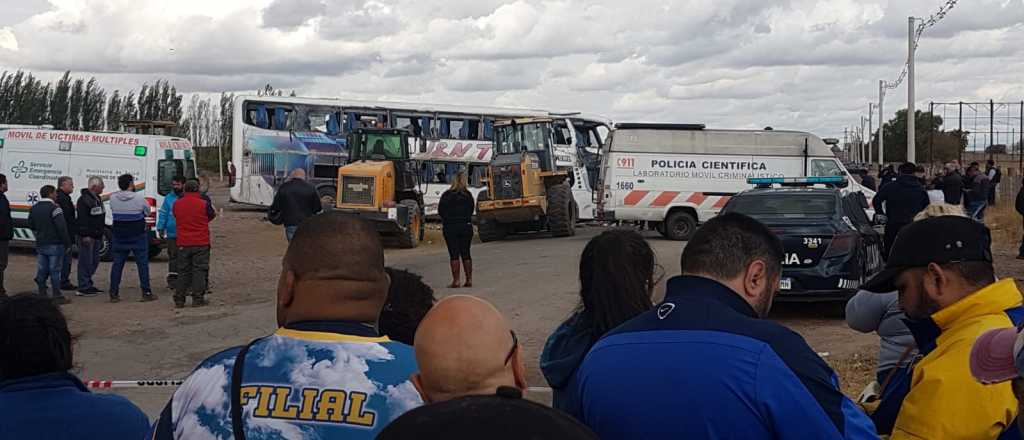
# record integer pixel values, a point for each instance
(515, 345)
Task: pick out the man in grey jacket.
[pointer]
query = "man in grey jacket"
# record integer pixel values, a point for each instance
(873, 312)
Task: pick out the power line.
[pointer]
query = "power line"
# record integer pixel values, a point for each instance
(924, 24)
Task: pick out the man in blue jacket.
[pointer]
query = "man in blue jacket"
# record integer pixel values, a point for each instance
(39, 397)
(167, 228)
(705, 364)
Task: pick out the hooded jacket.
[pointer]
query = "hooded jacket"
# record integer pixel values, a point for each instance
(906, 197)
(165, 218)
(563, 354)
(6, 222)
(46, 220)
(91, 215)
(129, 209)
(945, 401)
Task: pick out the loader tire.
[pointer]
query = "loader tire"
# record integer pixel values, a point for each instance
(561, 211)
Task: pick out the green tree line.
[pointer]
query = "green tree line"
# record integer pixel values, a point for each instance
(931, 142)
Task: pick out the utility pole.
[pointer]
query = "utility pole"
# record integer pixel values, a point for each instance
(846, 144)
(860, 142)
(911, 147)
(871, 130)
(881, 124)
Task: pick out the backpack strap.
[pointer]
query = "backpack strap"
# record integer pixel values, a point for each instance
(237, 370)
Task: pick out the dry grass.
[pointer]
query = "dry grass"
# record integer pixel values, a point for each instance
(1005, 223)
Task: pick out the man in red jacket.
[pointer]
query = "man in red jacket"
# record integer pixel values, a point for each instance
(192, 216)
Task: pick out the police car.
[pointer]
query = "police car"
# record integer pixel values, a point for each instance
(831, 246)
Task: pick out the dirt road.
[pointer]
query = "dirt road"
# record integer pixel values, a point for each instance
(532, 280)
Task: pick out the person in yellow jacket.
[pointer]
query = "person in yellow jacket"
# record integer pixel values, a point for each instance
(942, 268)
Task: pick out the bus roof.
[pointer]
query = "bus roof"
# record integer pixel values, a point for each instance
(637, 138)
(422, 107)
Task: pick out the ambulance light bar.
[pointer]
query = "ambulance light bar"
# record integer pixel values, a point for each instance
(764, 182)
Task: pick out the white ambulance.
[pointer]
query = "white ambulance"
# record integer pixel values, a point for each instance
(674, 176)
(34, 157)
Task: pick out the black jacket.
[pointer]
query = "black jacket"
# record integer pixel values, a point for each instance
(47, 221)
(1020, 201)
(952, 188)
(66, 205)
(977, 189)
(903, 199)
(456, 207)
(296, 200)
(91, 215)
(6, 223)
(869, 182)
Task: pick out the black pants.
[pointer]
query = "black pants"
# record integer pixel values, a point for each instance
(4, 248)
(458, 237)
(891, 229)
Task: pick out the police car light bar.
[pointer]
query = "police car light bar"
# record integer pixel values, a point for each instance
(797, 181)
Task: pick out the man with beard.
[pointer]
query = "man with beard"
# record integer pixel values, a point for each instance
(705, 364)
(167, 228)
(942, 268)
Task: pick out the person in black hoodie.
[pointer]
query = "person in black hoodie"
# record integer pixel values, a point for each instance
(456, 211)
(295, 201)
(952, 185)
(900, 201)
(6, 231)
(91, 224)
(65, 186)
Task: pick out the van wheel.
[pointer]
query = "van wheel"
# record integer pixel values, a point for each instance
(413, 233)
(680, 226)
(106, 245)
(561, 221)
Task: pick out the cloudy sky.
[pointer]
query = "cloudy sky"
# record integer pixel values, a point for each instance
(801, 64)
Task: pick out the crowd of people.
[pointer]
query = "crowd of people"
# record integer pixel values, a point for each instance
(60, 225)
(365, 351)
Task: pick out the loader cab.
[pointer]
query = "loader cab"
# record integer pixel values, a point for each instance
(514, 137)
(385, 145)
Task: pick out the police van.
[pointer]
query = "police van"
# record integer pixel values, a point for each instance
(34, 157)
(674, 176)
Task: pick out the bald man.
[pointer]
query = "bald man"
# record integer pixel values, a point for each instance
(325, 373)
(464, 347)
(295, 201)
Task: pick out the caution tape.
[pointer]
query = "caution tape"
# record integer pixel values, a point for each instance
(132, 383)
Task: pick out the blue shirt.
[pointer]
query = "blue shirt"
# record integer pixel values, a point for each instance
(317, 379)
(58, 406)
(165, 217)
(703, 365)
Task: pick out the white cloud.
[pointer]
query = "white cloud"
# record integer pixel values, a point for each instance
(803, 64)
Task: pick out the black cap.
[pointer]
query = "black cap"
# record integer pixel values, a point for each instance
(501, 416)
(940, 240)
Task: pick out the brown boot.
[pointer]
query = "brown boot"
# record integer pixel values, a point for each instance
(455, 275)
(468, 265)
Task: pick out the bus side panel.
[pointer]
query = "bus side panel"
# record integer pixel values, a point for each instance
(644, 186)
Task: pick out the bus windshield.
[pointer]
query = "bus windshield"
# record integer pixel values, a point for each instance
(513, 139)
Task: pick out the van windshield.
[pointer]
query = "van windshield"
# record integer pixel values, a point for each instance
(168, 168)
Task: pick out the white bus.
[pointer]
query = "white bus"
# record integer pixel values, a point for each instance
(271, 136)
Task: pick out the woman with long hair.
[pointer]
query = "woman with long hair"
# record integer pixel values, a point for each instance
(617, 278)
(456, 211)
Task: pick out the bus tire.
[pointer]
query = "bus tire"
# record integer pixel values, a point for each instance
(561, 217)
(680, 225)
(413, 233)
(490, 230)
(106, 245)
